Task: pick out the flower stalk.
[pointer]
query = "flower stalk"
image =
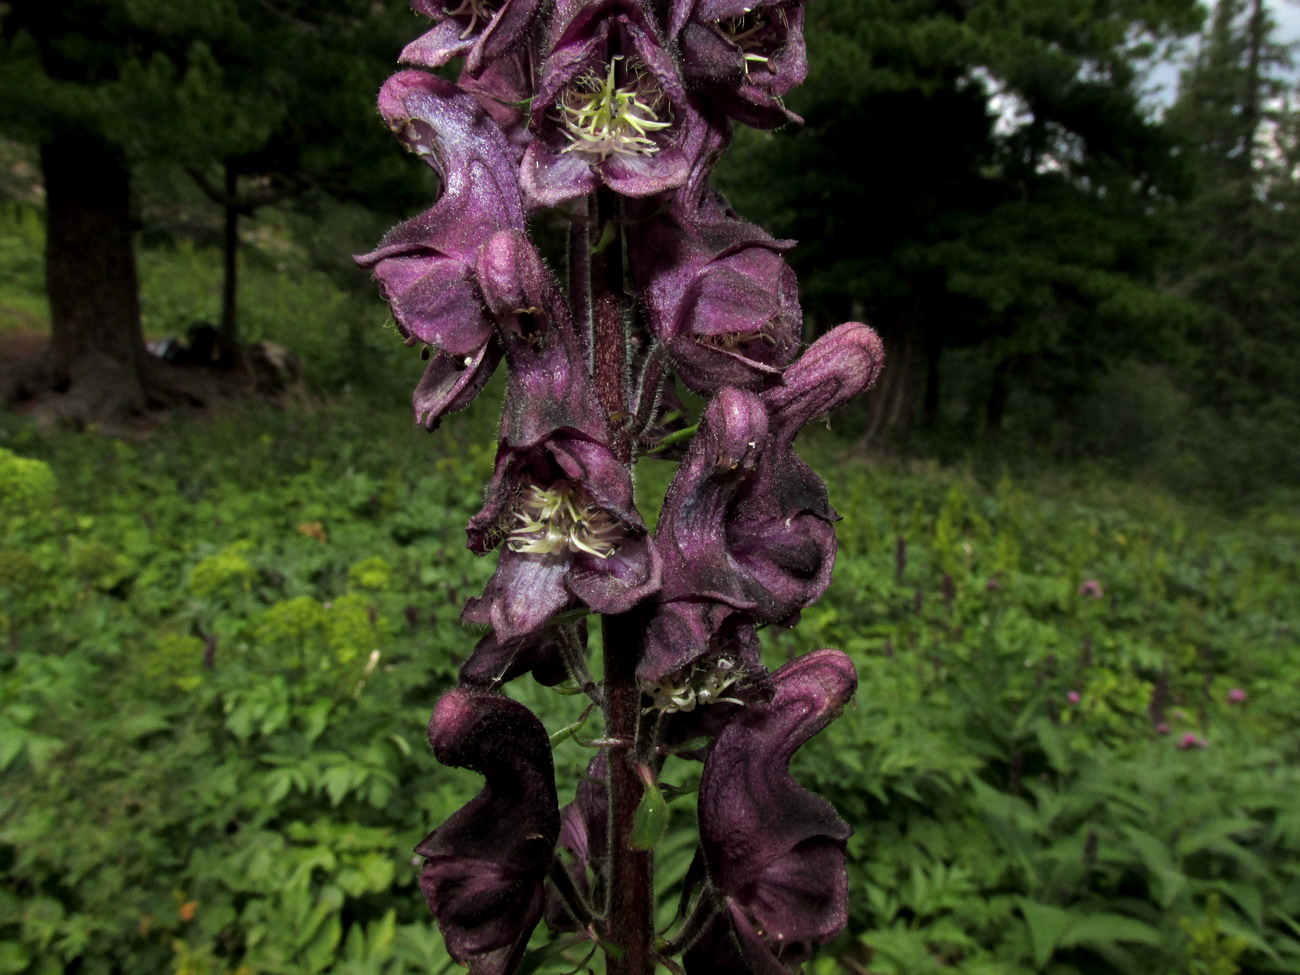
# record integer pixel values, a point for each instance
(615, 111)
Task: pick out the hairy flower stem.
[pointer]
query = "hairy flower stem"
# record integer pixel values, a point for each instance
(629, 919)
(629, 922)
(609, 323)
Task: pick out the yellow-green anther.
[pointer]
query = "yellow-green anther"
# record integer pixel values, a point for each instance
(553, 519)
(602, 118)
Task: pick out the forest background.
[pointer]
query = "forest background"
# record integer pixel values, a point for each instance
(1069, 559)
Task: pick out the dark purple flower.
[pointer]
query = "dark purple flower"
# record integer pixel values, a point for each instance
(717, 292)
(744, 54)
(701, 696)
(485, 867)
(781, 527)
(479, 30)
(560, 502)
(561, 511)
(609, 107)
(774, 851)
(425, 266)
(747, 526)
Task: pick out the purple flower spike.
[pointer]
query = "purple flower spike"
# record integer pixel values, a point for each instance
(480, 30)
(718, 294)
(425, 266)
(485, 867)
(774, 851)
(610, 107)
(746, 55)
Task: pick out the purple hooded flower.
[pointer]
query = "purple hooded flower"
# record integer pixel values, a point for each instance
(609, 107)
(717, 292)
(774, 851)
(745, 54)
(780, 529)
(700, 697)
(746, 527)
(425, 266)
(560, 502)
(485, 867)
(480, 30)
(702, 584)
(561, 511)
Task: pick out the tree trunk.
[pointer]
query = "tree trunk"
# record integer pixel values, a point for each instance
(933, 360)
(228, 327)
(995, 407)
(96, 346)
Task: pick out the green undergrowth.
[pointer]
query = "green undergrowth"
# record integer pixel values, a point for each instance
(220, 647)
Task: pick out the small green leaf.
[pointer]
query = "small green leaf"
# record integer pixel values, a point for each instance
(1046, 926)
(651, 819)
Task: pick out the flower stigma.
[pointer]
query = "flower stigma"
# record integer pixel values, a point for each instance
(554, 519)
(690, 687)
(605, 119)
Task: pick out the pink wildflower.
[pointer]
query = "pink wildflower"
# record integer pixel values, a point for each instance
(1091, 589)
(1237, 695)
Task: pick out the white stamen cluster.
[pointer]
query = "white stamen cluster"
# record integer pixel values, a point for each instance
(690, 687)
(555, 520)
(604, 119)
(747, 33)
(475, 10)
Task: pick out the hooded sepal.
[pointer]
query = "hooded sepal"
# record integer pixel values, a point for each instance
(780, 528)
(425, 266)
(718, 293)
(485, 867)
(774, 851)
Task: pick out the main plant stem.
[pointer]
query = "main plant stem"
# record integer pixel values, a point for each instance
(629, 922)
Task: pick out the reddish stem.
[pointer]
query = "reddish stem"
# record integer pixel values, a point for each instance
(629, 922)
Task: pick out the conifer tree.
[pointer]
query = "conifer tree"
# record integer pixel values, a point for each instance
(1013, 196)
